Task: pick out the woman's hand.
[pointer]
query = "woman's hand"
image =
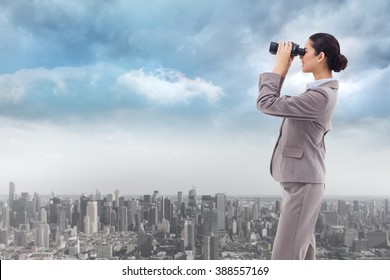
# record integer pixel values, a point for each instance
(283, 59)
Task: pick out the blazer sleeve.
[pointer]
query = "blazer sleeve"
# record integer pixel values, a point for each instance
(305, 106)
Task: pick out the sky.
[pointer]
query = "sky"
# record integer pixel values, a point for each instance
(161, 95)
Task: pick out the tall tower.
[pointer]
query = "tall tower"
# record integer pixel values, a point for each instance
(98, 195)
(221, 206)
(123, 219)
(155, 196)
(83, 211)
(192, 198)
(11, 196)
(179, 199)
(167, 214)
(42, 234)
(43, 215)
(117, 195)
(6, 217)
(214, 247)
(93, 217)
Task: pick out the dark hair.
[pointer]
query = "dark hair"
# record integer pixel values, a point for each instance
(328, 44)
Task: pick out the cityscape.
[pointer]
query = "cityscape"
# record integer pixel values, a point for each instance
(185, 226)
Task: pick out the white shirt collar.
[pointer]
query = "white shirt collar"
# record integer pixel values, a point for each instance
(317, 83)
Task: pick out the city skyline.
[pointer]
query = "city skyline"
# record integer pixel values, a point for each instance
(162, 95)
(184, 227)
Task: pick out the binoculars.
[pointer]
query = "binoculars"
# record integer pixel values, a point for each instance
(296, 50)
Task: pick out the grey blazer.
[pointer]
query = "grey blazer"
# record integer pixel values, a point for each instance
(300, 149)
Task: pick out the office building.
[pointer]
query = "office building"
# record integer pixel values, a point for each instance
(5, 214)
(221, 211)
(11, 195)
(42, 235)
(192, 198)
(93, 216)
(145, 244)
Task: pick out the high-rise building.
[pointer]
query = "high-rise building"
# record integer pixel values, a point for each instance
(98, 195)
(350, 234)
(6, 216)
(221, 211)
(210, 222)
(206, 247)
(207, 202)
(62, 221)
(179, 199)
(36, 205)
(167, 209)
(123, 222)
(145, 244)
(155, 196)
(21, 238)
(378, 239)
(93, 217)
(356, 206)
(343, 208)
(211, 248)
(214, 247)
(192, 198)
(117, 196)
(43, 215)
(277, 207)
(87, 225)
(133, 209)
(190, 234)
(4, 235)
(387, 207)
(42, 235)
(82, 211)
(11, 196)
(331, 217)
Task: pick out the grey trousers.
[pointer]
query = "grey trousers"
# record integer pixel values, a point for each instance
(295, 238)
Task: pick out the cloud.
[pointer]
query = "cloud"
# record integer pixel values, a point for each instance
(104, 92)
(168, 86)
(366, 95)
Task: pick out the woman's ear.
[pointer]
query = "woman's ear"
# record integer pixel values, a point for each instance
(321, 56)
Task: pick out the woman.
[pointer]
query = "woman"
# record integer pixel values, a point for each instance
(298, 158)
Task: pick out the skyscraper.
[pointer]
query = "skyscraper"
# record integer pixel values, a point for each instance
(145, 244)
(43, 215)
(93, 217)
(214, 247)
(123, 224)
(211, 247)
(179, 199)
(221, 209)
(42, 235)
(6, 216)
(98, 195)
(167, 210)
(342, 209)
(11, 196)
(192, 198)
(117, 195)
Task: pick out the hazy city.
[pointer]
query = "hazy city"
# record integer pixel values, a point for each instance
(185, 226)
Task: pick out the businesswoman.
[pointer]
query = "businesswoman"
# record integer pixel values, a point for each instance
(298, 158)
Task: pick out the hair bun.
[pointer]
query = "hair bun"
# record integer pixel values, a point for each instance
(339, 62)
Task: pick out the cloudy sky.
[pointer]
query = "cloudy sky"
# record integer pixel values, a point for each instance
(161, 95)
